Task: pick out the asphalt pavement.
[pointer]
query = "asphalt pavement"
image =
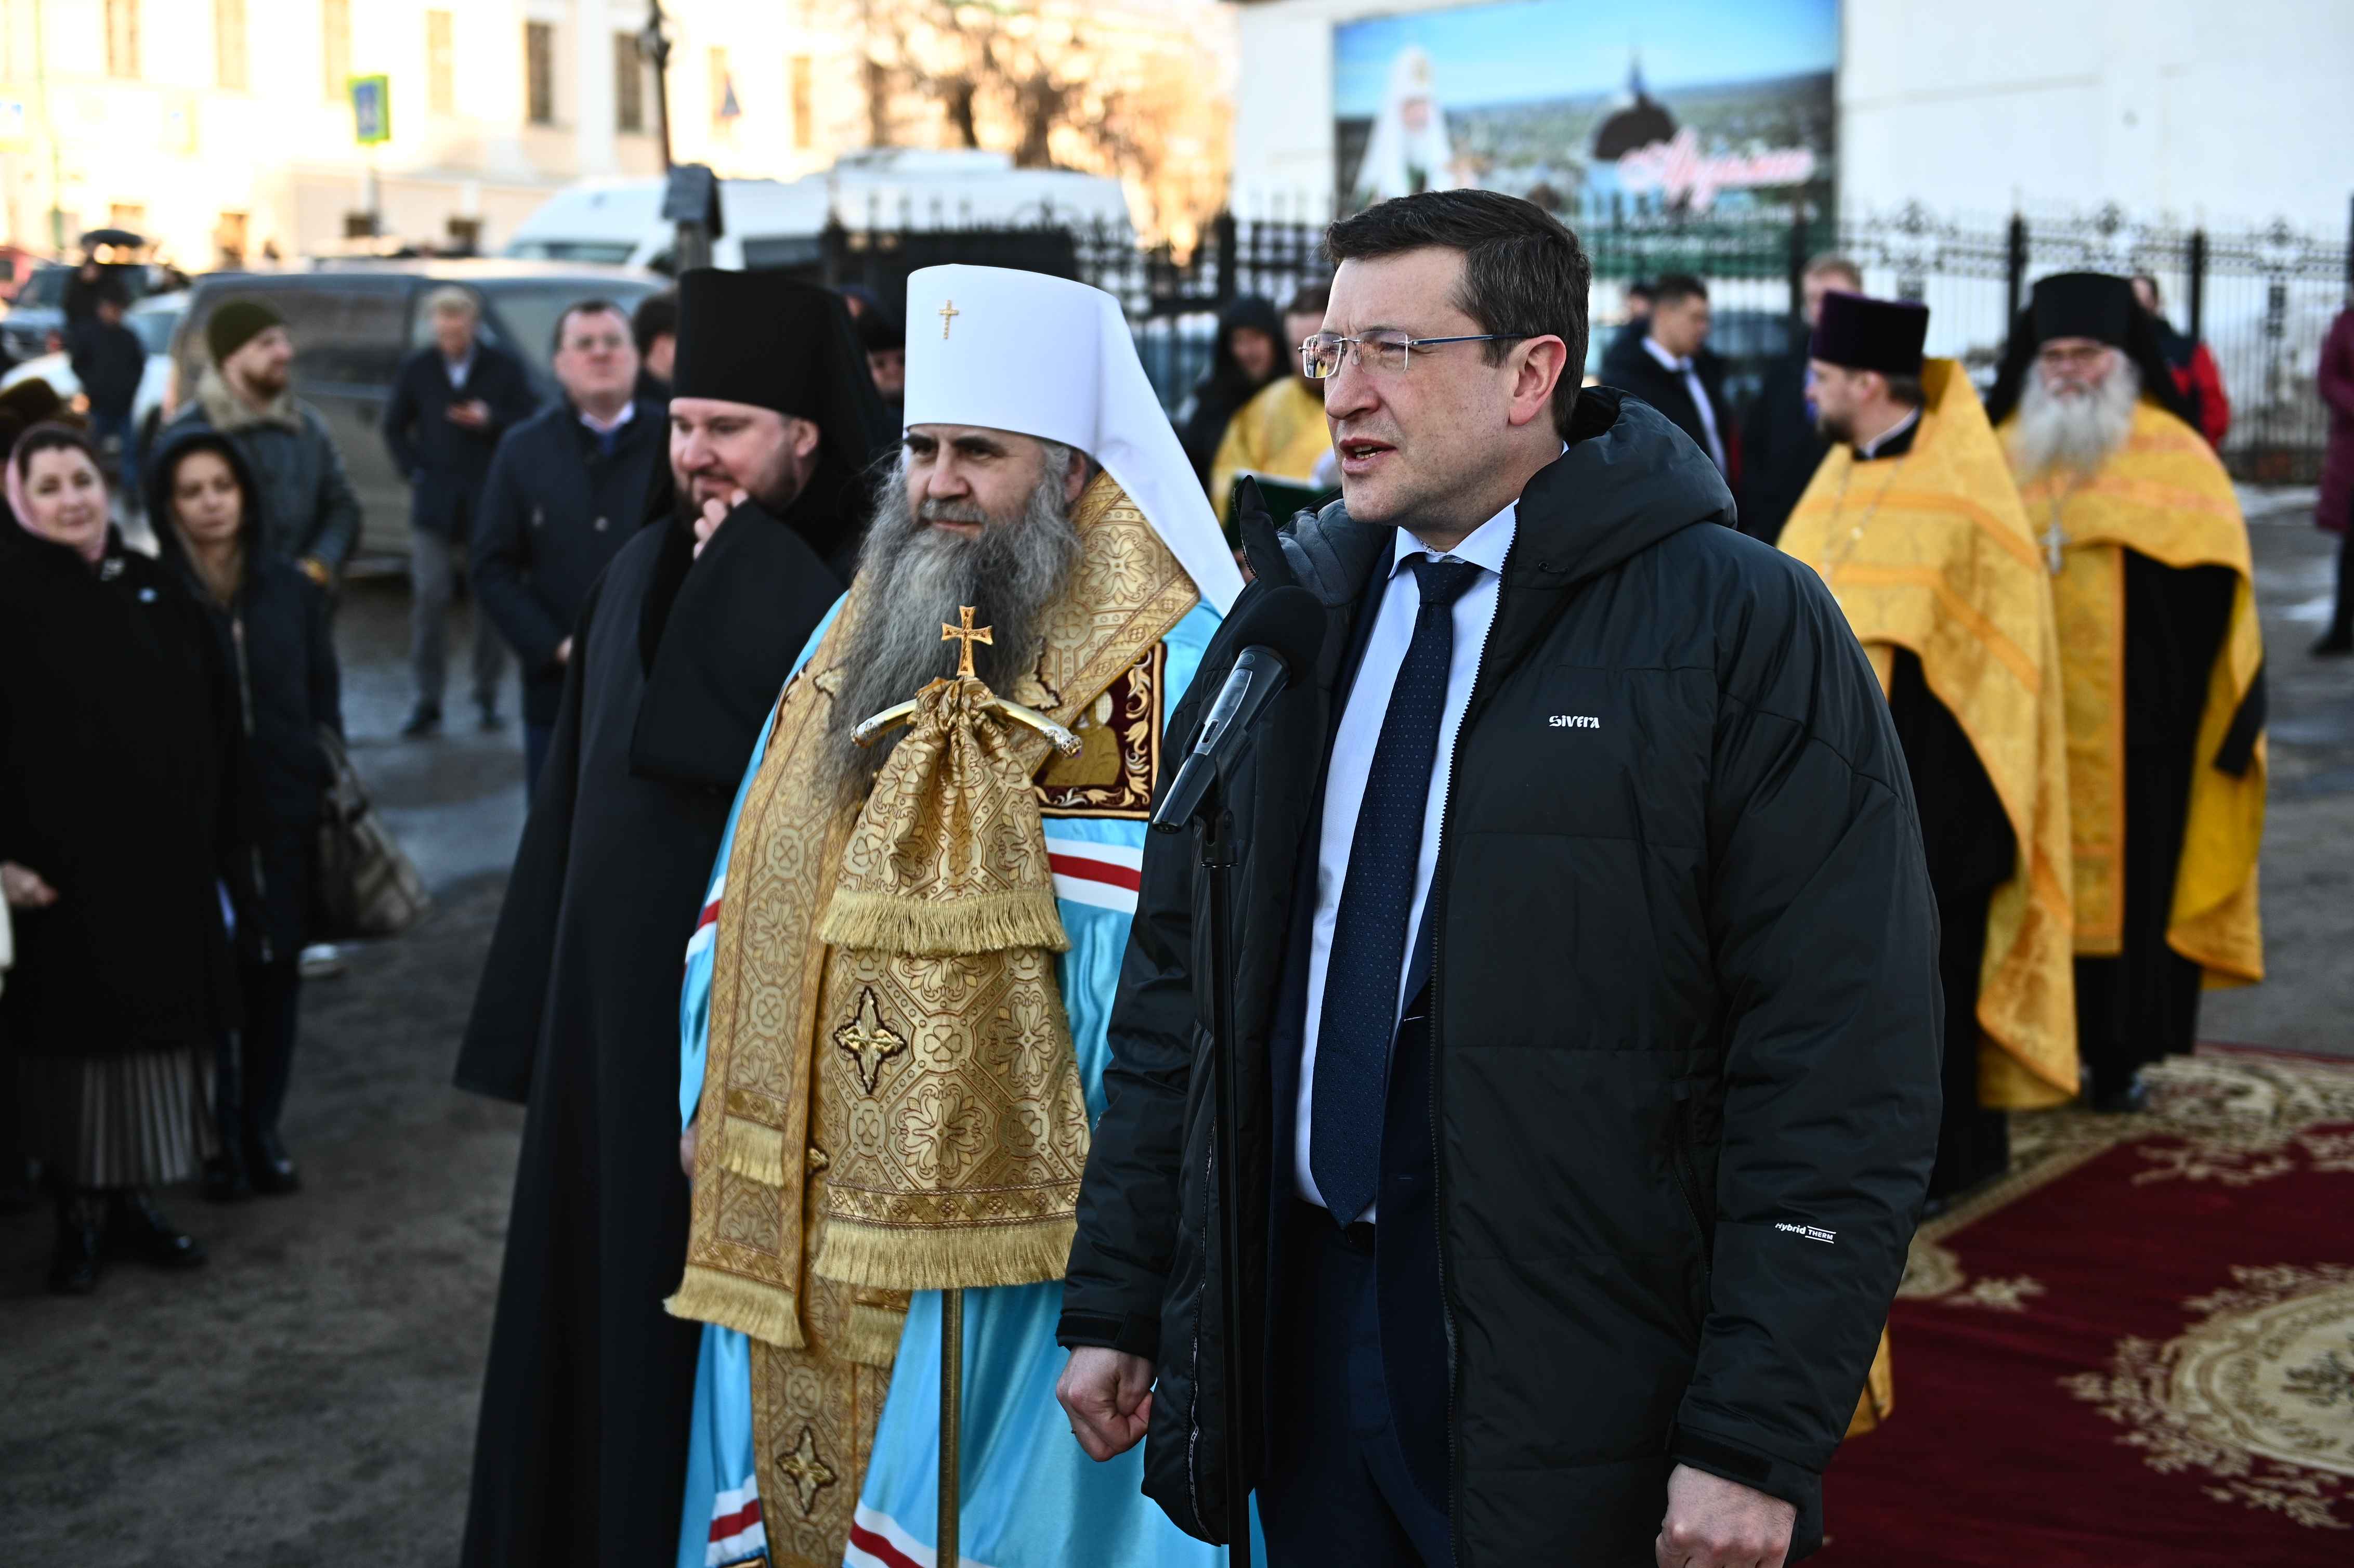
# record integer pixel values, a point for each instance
(308, 1398)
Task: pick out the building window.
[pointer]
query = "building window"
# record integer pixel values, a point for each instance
(629, 83)
(539, 72)
(805, 109)
(440, 65)
(122, 38)
(228, 44)
(130, 214)
(335, 48)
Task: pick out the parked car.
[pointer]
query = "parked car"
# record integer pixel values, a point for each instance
(352, 322)
(771, 223)
(154, 318)
(39, 312)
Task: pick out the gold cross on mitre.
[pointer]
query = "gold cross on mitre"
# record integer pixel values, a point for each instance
(949, 313)
(967, 635)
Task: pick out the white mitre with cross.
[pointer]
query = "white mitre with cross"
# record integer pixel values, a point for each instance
(1047, 358)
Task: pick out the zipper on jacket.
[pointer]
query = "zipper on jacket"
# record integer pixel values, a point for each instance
(1435, 909)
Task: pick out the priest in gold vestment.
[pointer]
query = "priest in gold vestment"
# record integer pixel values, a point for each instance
(1279, 433)
(894, 1011)
(1915, 527)
(2162, 666)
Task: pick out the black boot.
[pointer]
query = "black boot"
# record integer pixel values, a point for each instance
(425, 720)
(225, 1180)
(2118, 1094)
(136, 1228)
(270, 1167)
(78, 1261)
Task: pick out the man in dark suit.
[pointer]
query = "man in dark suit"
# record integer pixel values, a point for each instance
(1669, 367)
(1780, 448)
(451, 402)
(566, 491)
(1535, 1206)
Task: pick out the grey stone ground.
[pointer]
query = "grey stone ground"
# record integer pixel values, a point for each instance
(308, 1399)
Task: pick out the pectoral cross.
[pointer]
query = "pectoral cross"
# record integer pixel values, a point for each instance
(949, 313)
(2055, 540)
(966, 634)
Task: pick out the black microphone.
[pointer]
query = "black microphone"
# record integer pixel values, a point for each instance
(1280, 633)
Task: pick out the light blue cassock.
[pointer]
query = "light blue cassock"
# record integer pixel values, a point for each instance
(1032, 1499)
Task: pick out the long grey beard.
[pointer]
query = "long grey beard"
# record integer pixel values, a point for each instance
(912, 577)
(2080, 432)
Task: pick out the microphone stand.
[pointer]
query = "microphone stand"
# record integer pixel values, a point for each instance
(1215, 835)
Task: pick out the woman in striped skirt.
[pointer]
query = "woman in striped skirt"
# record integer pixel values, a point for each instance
(119, 846)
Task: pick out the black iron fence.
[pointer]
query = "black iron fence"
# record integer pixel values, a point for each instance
(2261, 299)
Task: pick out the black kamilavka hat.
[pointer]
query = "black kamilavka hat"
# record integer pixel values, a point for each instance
(773, 342)
(1864, 334)
(2098, 306)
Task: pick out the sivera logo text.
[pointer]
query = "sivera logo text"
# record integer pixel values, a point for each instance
(1575, 721)
(1812, 1233)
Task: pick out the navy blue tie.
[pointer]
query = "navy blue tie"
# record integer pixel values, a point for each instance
(1369, 932)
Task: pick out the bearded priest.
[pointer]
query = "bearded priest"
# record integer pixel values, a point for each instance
(894, 1015)
(1913, 523)
(2162, 668)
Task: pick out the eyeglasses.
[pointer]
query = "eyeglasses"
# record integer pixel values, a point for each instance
(1386, 352)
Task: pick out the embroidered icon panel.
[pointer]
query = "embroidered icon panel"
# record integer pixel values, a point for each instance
(1119, 762)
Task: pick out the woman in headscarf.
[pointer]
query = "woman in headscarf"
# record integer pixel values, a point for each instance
(1249, 355)
(269, 623)
(117, 846)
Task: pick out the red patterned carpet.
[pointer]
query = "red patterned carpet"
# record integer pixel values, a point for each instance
(2137, 1351)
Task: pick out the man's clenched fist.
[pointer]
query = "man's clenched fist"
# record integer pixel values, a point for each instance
(1715, 1523)
(1109, 1396)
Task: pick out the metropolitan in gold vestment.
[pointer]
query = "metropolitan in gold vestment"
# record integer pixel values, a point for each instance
(908, 972)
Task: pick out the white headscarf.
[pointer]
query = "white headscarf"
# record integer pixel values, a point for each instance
(1007, 350)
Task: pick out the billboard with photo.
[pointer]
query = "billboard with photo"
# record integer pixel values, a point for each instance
(1696, 107)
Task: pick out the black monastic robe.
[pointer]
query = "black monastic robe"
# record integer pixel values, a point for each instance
(2143, 1004)
(580, 1456)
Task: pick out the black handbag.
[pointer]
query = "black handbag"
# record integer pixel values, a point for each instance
(363, 885)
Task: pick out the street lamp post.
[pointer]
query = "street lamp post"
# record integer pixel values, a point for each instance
(653, 43)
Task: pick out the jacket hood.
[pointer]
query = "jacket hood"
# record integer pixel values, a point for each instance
(227, 411)
(1249, 311)
(1629, 479)
(176, 441)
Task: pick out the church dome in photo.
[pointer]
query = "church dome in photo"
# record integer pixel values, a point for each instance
(1637, 121)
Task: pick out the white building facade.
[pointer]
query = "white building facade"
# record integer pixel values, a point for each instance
(224, 128)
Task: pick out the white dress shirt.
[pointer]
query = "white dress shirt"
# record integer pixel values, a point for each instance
(1699, 395)
(1352, 760)
(460, 368)
(607, 427)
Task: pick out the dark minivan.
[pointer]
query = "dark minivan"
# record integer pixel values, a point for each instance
(352, 321)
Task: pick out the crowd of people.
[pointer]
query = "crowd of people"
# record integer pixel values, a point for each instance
(1941, 791)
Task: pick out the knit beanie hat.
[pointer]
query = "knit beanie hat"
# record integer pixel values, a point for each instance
(236, 323)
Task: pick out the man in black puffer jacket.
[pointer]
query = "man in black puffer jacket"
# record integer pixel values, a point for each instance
(1588, 995)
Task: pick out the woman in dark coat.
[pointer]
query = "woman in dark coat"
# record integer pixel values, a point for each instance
(117, 742)
(1237, 373)
(270, 622)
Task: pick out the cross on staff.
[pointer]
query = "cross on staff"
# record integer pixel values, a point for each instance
(949, 313)
(965, 635)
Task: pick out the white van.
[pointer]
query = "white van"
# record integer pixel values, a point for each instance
(768, 223)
